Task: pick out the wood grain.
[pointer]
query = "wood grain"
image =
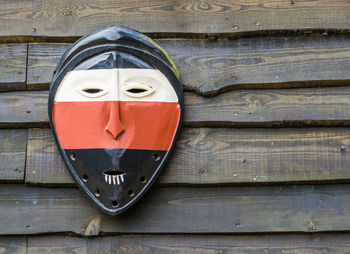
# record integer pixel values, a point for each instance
(20, 109)
(13, 144)
(304, 208)
(318, 243)
(224, 156)
(270, 108)
(12, 244)
(48, 166)
(13, 60)
(329, 106)
(42, 61)
(211, 67)
(44, 18)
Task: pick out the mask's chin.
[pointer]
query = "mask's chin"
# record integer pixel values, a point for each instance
(114, 177)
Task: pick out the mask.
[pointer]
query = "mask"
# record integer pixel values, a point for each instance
(115, 108)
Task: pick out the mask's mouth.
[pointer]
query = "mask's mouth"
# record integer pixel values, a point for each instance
(114, 176)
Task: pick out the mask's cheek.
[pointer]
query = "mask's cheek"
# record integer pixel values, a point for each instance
(147, 125)
(80, 125)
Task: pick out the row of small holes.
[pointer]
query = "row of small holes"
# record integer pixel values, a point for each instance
(85, 178)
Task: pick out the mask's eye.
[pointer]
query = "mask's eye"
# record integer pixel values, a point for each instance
(137, 90)
(92, 92)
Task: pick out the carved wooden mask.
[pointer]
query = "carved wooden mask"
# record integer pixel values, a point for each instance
(115, 108)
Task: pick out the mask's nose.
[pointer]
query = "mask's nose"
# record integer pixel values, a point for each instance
(115, 126)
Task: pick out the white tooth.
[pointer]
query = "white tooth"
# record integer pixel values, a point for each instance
(118, 179)
(114, 180)
(122, 178)
(106, 177)
(109, 179)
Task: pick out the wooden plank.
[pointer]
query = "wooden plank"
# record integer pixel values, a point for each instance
(42, 61)
(11, 244)
(13, 145)
(23, 109)
(327, 106)
(270, 108)
(57, 244)
(210, 67)
(13, 60)
(44, 163)
(224, 156)
(303, 208)
(62, 18)
(318, 243)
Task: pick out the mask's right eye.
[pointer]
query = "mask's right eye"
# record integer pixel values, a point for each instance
(93, 91)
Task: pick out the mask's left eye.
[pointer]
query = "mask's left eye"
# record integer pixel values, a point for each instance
(138, 90)
(92, 91)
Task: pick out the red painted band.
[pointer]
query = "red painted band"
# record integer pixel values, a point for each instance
(138, 125)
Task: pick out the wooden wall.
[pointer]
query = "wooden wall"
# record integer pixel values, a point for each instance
(262, 164)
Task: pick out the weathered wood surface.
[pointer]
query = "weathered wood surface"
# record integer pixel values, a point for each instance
(13, 145)
(43, 18)
(44, 163)
(305, 208)
(42, 61)
(13, 60)
(23, 109)
(328, 106)
(224, 156)
(318, 243)
(209, 67)
(13, 244)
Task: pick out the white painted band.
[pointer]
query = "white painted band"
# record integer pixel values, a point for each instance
(115, 85)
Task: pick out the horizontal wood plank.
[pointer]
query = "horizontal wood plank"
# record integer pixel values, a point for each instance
(62, 18)
(303, 208)
(329, 106)
(44, 163)
(20, 109)
(223, 156)
(13, 60)
(210, 67)
(13, 145)
(42, 61)
(318, 243)
(13, 244)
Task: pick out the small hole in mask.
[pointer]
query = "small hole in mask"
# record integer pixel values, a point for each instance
(156, 157)
(115, 203)
(143, 179)
(85, 178)
(73, 156)
(92, 90)
(97, 193)
(130, 193)
(136, 90)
